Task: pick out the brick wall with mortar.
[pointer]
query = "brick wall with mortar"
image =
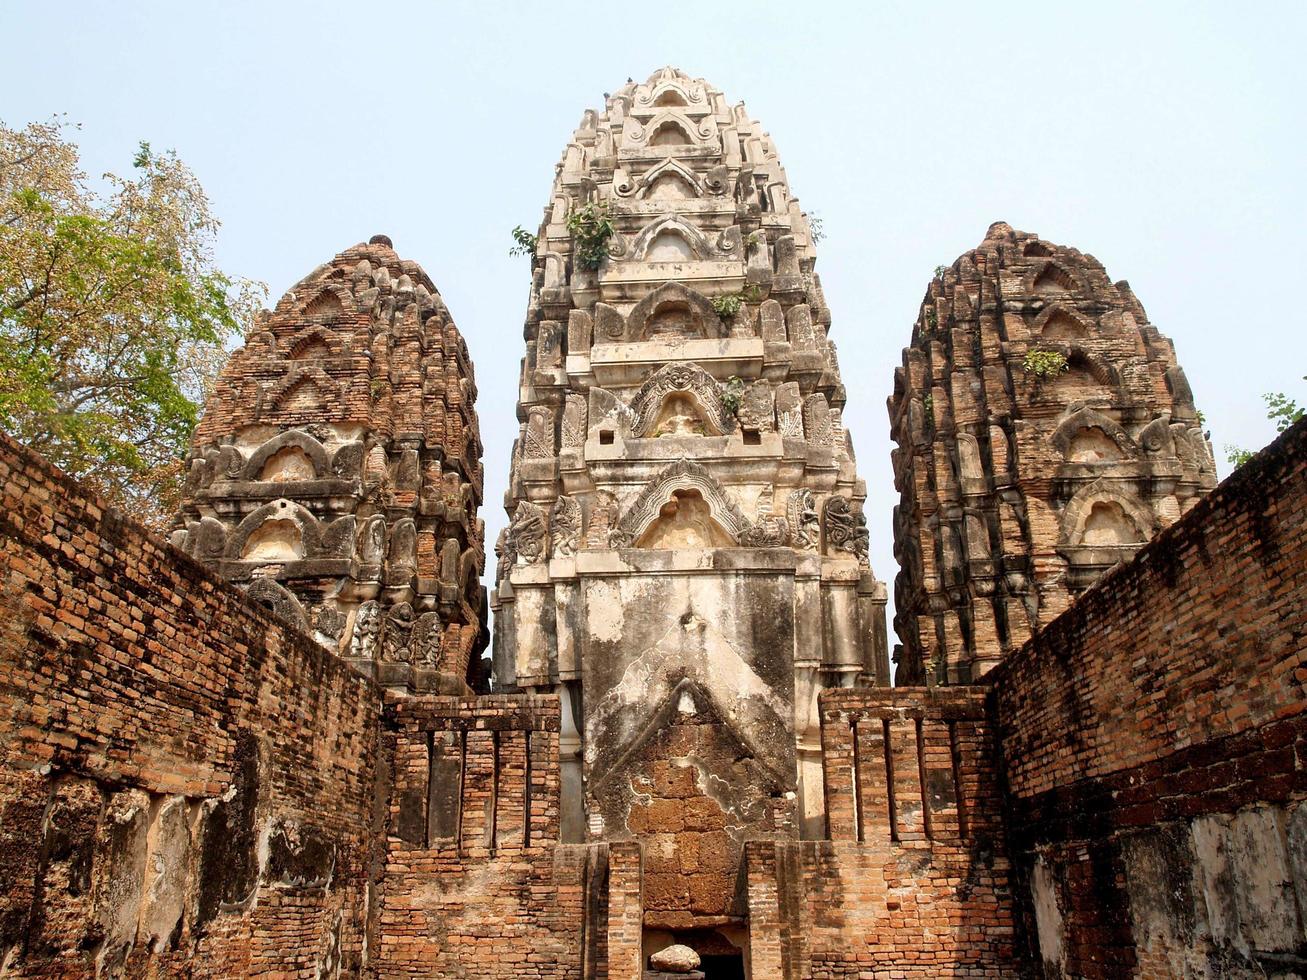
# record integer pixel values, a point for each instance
(914, 881)
(190, 787)
(475, 883)
(1154, 739)
(186, 786)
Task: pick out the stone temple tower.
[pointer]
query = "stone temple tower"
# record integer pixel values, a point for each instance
(336, 473)
(1045, 432)
(686, 563)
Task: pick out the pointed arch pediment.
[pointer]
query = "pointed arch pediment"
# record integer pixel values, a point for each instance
(685, 693)
(690, 379)
(1105, 491)
(670, 90)
(1087, 418)
(682, 476)
(669, 169)
(694, 239)
(300, 345)
(307, 530)
(672, 127)
(1052, 278)
(303, 383)
(702, 320)
(327, 303)
(1061, 322)
(291, 439)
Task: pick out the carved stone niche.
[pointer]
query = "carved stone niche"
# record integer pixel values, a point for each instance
(673, 310)
(684, 507)
(845, 529)
(679, 399)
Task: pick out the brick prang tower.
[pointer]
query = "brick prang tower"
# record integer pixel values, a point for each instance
(1045, 432)
(336, 474)
(686, 564)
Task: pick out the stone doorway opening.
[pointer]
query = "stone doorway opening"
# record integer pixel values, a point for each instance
(728, 966)
(720, 951)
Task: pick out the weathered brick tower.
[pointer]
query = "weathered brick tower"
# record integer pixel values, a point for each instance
(700, 749)
(1045, 432)
(336, 474)
(687, 560)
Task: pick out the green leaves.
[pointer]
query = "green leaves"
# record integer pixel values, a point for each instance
(113, 316)
(1044, 363)
(525, 242)
(591, 227)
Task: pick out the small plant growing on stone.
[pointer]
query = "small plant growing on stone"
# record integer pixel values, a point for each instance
(816, 227)
(732, 393)
(753, 240)
(525, 242)
(591, 228)
(932, 318)
(727, 306)
(940, 270)
(1044, 363)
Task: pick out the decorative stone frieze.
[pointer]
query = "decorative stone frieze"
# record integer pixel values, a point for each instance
(664, 571)
(1045, 431)
(336, 473)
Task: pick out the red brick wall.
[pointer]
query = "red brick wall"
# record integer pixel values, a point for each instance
(475, 883)
(182, 779)
(914, 881)
(1154, 735)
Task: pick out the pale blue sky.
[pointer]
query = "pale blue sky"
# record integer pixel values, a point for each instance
(1165, 139)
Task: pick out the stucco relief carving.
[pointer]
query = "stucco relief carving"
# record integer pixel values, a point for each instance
(695, 382)
(683, 475)
(805, 524)
(846, 529)
(565, 527)
(528, 533)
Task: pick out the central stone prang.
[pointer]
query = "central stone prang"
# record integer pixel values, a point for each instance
(686, 559)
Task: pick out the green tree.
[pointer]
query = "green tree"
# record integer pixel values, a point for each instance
(1280, 409)
(113, 314)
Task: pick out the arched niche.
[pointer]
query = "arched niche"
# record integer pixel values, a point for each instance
(669, 245)
(1070, 439)
(1087, 378)
(672, 308)
(686, 242)
(670, 96)
(279, 531)
(1107, 523)
(1093, 445)
(685, 520)
(1060, 324)
(669, 132)
(325, 304)
(1106, 511)
(306, 387)
(300, 453)
(1053, 280)
(678, 399)
(670, 187)
(670, 180)
(312, 343)
(274, 540)
(684, 485)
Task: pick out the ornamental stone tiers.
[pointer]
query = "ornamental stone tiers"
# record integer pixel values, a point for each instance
(336, 473)
(1045, 432)
(686, 559)
(281, 753)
